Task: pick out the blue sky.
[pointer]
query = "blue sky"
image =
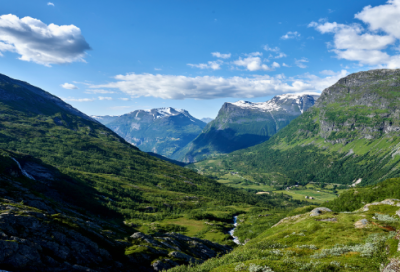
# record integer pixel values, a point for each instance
(110, 58)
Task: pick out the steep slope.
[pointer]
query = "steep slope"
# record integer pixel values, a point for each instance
(350, 136)
(162, 131)
(77, 167)
(243, 124)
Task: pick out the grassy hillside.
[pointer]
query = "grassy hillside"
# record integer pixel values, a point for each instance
(331, 241)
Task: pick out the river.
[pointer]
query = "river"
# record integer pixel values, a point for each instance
(235, 239)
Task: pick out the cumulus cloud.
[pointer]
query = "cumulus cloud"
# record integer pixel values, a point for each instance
(300, 62)
(291, 35)
(105, 98)
(214, 65)
(50, 4)
(285, 65)
(367, 44)
(252, 62)
(124, 99)
(221, 56)
(69, 86)
(210, 87)
(71, 99)
(44, 44)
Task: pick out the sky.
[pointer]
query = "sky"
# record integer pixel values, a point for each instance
(111, 58)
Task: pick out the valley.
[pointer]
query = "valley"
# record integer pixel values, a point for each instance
(69, 171)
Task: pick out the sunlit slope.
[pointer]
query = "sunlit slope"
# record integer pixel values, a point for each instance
(351, 133)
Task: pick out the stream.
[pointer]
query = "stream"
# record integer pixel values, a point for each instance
(235, 239)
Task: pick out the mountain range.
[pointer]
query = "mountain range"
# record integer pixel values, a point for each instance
(243, 124)
(162, 131)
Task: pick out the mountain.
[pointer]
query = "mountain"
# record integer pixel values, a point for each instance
(75, 196)
(104, 119)
(162, 131)
(243, 124)
(206, 120)
(349, 137)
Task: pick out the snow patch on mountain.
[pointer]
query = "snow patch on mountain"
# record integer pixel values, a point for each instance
(275, 104)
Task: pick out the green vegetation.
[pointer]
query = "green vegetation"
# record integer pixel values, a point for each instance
(329, 242)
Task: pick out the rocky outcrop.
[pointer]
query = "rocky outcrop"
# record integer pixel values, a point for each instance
(173, 249)
(319, 211)
(373, 106)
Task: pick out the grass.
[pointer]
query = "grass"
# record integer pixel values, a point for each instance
(300, 195)
(309, 244)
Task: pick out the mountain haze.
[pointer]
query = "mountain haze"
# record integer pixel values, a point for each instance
(243, 124)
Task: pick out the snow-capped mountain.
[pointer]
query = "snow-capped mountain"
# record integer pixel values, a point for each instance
(243, 124)
(162, 130)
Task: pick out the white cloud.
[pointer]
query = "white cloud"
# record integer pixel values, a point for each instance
(44, 44)
(157, 69)
(214, 65)
(124, 99)
(382, 18)
(291, 35)
(105, 98)
(300, 62)
(253, 62)
(275, 65)
(98, 91)
(367, 45)
(69, 86)
(222, 56)
(50, 4)
(276, 50)
(210, 87)
(71, 99)
(285, 65)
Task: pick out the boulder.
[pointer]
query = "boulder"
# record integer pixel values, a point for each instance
(393, 266)
(319, 211)
(361, 224)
